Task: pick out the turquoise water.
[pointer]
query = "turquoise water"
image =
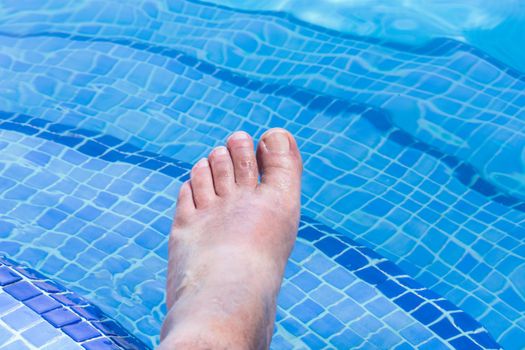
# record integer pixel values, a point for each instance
(410, 120)
(496, 27)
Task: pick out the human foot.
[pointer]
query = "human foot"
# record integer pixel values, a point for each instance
(229, 244)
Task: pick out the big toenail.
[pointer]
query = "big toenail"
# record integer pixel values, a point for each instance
(277, 141)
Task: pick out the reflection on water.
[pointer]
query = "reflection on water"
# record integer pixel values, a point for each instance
(497, 27)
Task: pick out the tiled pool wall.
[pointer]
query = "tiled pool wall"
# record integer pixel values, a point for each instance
(410, 151)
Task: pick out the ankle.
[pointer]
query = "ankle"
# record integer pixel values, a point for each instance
(232, 319)
(196, 332)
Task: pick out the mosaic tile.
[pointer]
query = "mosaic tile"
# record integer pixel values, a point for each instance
(99, 122)
(51, 318)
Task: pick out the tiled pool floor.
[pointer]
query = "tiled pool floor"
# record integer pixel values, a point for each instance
(413, 152)
(103, 234)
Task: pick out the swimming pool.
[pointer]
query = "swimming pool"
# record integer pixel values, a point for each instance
(413, 200)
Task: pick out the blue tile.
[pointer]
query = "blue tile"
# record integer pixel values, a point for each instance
(81, 331)
(352, 259)
(307, 310)
(110, 328)
(42, 303)
(326, 326)
(464, 343)
(445, 329)
(41, 334)
(330, 246)
(426, 313)
(16, 345)
(7, 276)
(100, 344)
(372, 275)
(306, 281)
(60, 317)
(22, 290)
(313, 341)
(5, 335)
(21, 318)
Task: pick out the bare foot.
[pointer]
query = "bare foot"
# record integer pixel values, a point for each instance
(229, 244)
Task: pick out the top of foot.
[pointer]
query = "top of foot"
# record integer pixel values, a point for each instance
(235, 225)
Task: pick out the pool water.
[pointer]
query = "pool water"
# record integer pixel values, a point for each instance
(413, 192)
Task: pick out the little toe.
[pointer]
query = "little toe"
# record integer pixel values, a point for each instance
(202, 184)
(280, 161)
(240, 145)
(222, 170)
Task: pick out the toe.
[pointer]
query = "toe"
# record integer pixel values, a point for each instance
(280, 161)
(240, 145)
(222, 170)
(202, 184)
(185, 205)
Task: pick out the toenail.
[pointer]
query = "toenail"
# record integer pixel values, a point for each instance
(202, 163)
(277, 141)
(220, 151)
(239, 135)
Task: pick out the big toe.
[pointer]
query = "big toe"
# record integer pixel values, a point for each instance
(280, 161)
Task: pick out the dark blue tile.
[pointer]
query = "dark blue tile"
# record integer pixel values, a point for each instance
(331, 246)
(68, 299)
(390, 288)
(42, 303)
(100, 344)
(81, 331)
(464, 343)
(109, 327)
(310, 233)
(371, 275)
(89, 312)
(485, 340)
(427, 313)
(352, 259)
(408, 301)
(128, 343)
(93, 148)
(22, 290)
(29, 273)
(8, 276)
(49, 286)
(445, 329)
(61, 317)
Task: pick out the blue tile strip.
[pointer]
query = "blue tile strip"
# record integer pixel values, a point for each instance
(444, 318)
(74, 316)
